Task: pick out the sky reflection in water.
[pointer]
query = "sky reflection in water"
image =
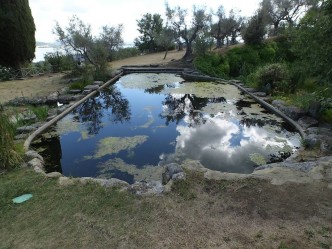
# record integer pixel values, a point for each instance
(163, 121)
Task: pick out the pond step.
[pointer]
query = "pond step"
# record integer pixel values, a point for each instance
(128, 70)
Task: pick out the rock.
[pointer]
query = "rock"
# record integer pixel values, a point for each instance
(147, 188)
(113, 182)
(53, 97)
(307, 122)
(91, 87)
(21, 136)
(86, 92)
(314, 109)
(31, 154)
(171, 170)
(37, 165)
(291, 111)
(75, 91)
(98, 82)
(26, 129)
(251, 90)
(54, 175)
(179, 176)
(260, 94)
(50, 117)
(66, 181)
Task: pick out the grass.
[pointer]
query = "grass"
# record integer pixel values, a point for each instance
(9, 157)
(198, 213)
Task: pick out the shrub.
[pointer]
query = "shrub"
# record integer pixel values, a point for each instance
(9, 158)
(242, 60)
(274, 78)
(124, 53)
(213, 65)
(5, 73)
(267, 53)
(59, 62)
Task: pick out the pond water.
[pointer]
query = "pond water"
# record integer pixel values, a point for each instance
(145, 121)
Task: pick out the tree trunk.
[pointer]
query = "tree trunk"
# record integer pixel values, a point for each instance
(219, 42)
(189, 50)
(165, 53)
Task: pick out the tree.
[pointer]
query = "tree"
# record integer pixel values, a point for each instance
(149, 26)
(76, 37)
(279, 11)
(218, 29)
(17, 29)
(200, 21)
(254, 31)
(111, 36)
(312, 41)
(165, 39)
(234, 25)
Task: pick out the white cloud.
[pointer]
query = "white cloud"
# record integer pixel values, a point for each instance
(114, 12)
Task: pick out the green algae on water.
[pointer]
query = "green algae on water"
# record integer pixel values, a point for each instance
(113, 145)
(146, 173)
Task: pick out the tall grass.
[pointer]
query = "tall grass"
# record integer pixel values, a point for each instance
(9, 158)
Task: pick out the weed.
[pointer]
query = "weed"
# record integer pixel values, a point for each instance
(184, 189)
(41, 112)
(284, 246)
(9, 158)
(324, 245)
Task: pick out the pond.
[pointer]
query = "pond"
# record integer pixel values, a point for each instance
(145, 121)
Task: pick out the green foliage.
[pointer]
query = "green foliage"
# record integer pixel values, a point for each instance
(9, 158)
(254, 32)
(5, 73)
(274, 78)
(124, 53)
(213, 65)
(41, 112)
(17, 29)
(202, 45)
(59, 62)
(243, 60)
(149, 26)
(312, 42)
(267, 53)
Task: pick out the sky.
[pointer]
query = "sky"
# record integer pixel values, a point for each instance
(98, 13)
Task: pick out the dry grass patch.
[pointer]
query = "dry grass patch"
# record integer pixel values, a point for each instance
(198, 213)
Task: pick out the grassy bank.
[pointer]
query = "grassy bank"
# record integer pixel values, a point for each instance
(198, 213)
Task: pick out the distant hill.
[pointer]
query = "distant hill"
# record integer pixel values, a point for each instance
(47, 44)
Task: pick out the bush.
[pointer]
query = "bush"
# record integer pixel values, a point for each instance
(124, 53)
(59, 62)
(9, 158)
(5, 73)
(213, 65)
(243, 60)
(274, 78)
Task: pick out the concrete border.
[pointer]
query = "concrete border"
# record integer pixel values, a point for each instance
(272, 109)
(64, 113)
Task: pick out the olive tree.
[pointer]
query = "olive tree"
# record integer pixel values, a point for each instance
(188, 32)
(149, 26)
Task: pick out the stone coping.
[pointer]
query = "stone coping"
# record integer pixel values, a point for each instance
(280, 173)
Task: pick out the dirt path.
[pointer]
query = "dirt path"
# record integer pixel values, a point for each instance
(44, 85)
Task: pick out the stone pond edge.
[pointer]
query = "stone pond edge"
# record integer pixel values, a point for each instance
(280, 173)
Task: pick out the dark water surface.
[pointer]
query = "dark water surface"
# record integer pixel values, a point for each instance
(145, 121)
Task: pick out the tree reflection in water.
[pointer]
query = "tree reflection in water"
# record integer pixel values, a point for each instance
(91, 111)
(186, 106)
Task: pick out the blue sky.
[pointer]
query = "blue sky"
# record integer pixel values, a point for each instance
(113, 12)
